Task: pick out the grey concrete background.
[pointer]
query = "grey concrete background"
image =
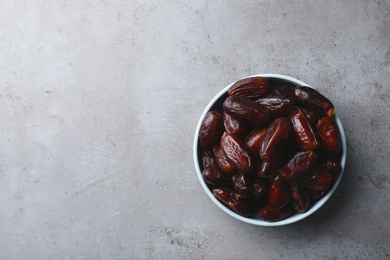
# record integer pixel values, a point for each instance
(100, 100)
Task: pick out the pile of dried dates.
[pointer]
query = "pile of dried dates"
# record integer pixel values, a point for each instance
(272, 149)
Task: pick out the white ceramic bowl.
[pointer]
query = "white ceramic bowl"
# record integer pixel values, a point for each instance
(216, 103)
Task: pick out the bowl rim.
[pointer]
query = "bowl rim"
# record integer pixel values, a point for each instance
(260, 222)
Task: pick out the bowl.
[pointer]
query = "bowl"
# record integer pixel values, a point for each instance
(216, 104)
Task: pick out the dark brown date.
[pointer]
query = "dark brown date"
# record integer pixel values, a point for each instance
(211, 129)
(207, 159)
(332, 166)
(304, 133)
(311, 116)
(315, 194)
(328, 131)
(235, 151)
(271, 213)
(250, 87)
(284, 91)
(318, 178)
(222, 161)
(313, 100)
(242, 187)
(231, 200)
(277, 132)
(277, 107)
(246, 110)
(213, 175)
(267, 169)
(278, 193)
(259, 189)
(233, 125)
(299, 199)
(300, 163)
(253, 141)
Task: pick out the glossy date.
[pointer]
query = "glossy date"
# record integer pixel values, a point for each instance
(231, 200)
(278, 131)
(235, 151)
(246, 110)
(250, 87)
(271, 213)
(304, 133)
(329, 134)
(298, 164)
(312, 99)
(211, 129)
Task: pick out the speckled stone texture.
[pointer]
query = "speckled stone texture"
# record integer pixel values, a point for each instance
(99, 104)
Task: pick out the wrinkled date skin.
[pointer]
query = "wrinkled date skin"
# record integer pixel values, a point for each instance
(233, 125)
(230, 199)
(253, 141)
(267, 169)
(332, 166)
(304, 133)
(329, 134)
(284, 91)
(207, 159)
(211, 129)
(235, 151)
(222, 161)
(277, 107)
(271, 213)
(299, 198)
(311, 116)
(278, 193)
(213, 175)
(312, 99)
(317, 178)
(278, 131)
(242, 187)
(300, 163)
(250, 87)
(246, 110)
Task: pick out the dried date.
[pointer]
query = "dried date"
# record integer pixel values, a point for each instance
(213, 175)
(231, 200)
(235, 150)
(313, 100)
(300, 163)
(284, 91)
(211, 129)
(277, 107)
(278, 131)
(246, 110)
(250, 87)
(318, 178)
(299, 199)
(271, 213)
(267, 169)
(253, 141)
(328, 131)
(242, 186)
(207, 159)
(278, 193)
(304, 133)
(233, 125)
(222, 161)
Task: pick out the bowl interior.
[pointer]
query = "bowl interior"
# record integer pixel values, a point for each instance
(216, 104)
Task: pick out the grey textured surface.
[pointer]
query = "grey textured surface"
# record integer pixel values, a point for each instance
(99, 104)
